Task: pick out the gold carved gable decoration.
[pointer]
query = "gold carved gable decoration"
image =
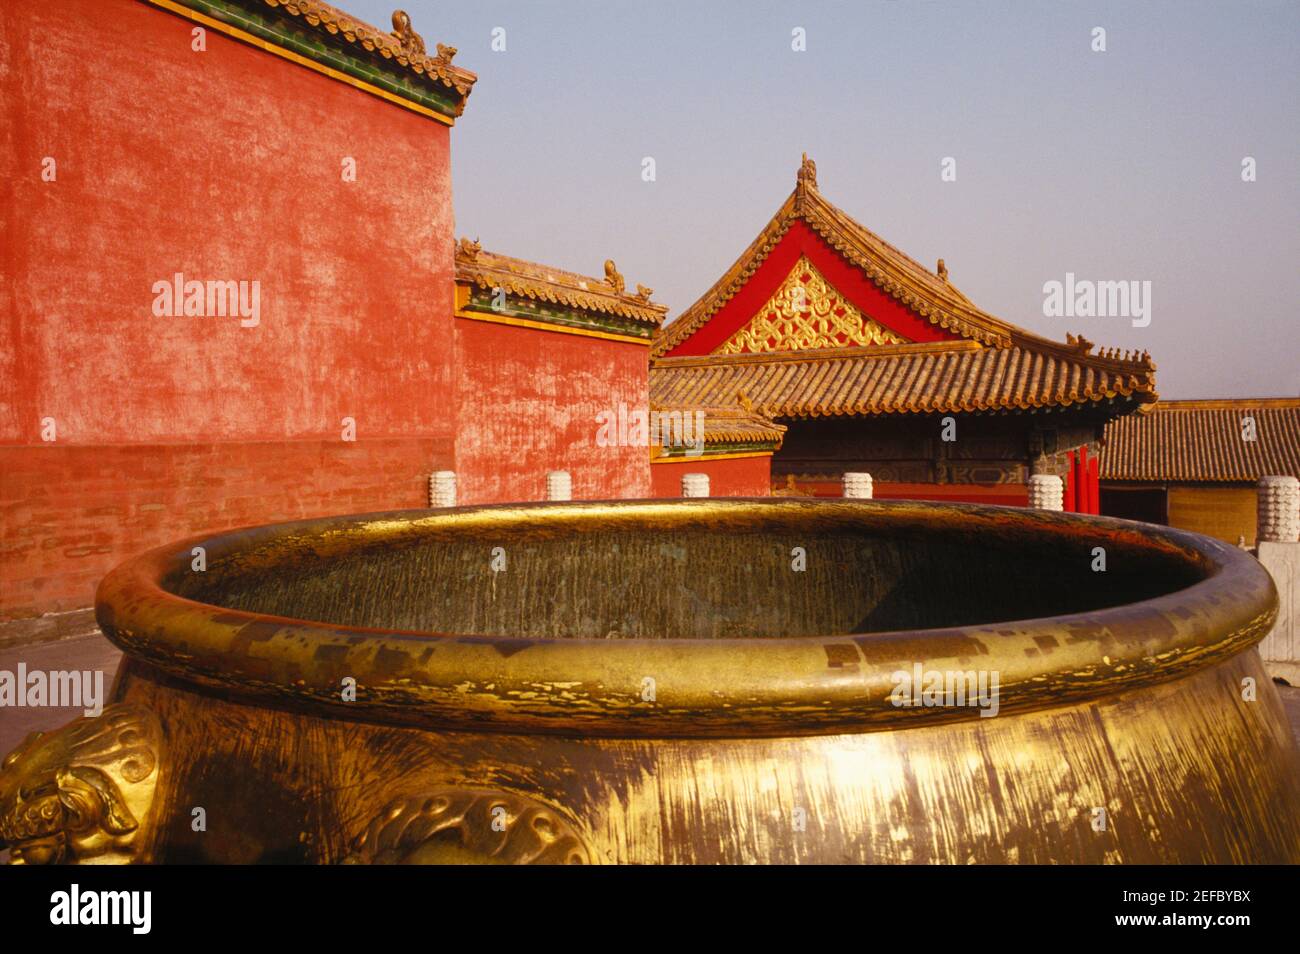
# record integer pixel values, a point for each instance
(806, 313)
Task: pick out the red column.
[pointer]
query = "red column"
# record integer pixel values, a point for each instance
(1094, 485)
(1079, 473)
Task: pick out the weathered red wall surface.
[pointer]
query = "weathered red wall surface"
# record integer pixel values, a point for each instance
(221, 164)
(731, 477)
(224, 164)
(528, 404)
(72, 512)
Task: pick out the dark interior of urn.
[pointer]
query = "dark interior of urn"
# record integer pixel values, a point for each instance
(706, 582)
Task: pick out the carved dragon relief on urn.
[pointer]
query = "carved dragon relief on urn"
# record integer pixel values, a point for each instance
(469, 826)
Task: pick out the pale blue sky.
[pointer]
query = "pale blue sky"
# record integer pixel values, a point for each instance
(1117, 165)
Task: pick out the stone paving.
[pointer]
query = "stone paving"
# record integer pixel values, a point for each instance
(90, 651)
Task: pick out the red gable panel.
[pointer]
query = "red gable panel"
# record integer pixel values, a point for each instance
(847, 279)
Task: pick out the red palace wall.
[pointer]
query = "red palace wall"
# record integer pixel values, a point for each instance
(728, 477)
(223, 164)
(72, 513)
(528, 404)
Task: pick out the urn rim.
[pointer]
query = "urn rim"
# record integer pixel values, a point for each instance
(742, 686)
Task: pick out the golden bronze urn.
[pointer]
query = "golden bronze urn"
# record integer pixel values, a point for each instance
(695, 681)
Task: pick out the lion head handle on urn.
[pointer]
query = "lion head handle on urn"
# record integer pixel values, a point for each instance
(83, 793)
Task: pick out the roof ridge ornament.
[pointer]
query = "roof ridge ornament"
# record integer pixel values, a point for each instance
(467, 251)
(941, 270)
(412, 43)
(1118, 355)
(613, 277)
(806, 178)
(1078, 341)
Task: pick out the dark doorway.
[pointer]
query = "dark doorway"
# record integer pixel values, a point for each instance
(1149, 504)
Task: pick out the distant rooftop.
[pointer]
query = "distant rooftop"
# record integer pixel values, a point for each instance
(955, 357)
(1204, 441)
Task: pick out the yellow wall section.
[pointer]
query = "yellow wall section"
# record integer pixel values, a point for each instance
(1223, 512)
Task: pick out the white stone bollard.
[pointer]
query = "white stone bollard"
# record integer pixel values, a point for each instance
(1280, 649)
(559, 485)
(1277, 546)
(1279, 510)
(858, 485)
(695, 485)
(442, 488)
(1046, 492)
